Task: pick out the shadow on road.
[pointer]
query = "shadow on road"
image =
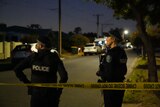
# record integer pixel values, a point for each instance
(6, 67)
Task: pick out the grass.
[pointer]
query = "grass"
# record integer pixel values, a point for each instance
(144, 97)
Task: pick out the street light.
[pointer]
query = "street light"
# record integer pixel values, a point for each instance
(125, 32)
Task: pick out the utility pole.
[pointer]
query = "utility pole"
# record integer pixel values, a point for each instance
(60, 30)
(97, 15)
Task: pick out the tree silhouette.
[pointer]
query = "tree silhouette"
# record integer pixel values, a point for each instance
(34, 26)
(78, 30)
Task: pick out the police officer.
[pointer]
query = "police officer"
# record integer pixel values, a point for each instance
(113, 69)
(44, 67)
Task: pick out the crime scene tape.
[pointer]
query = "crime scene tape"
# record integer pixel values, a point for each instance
(104, 86)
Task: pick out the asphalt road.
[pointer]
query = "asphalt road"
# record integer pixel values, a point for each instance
(80, 69)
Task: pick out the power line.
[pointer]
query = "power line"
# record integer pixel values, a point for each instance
(80, 10)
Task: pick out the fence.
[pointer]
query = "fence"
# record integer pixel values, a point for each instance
(6, 48)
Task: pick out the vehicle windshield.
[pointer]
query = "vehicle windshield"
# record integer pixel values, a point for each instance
(23, 47)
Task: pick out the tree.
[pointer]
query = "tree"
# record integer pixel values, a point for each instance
(154, 31)
(117, 29)
(3, 26)
(29, 39)
(34, 26)
(79, 40)
(66, 41)
(2, 36)
(91, 36)
(143, 12)
(78, 30)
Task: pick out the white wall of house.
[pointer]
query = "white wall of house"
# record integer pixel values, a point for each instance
(6, 48)
(1, 51)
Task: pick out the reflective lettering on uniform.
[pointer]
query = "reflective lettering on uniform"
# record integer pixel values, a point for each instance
(40, 68)
(108, 58)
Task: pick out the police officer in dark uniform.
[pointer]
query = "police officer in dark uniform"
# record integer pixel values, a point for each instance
(44, 67)
(113, 69)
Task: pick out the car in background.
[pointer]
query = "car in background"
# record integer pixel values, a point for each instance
(20, 52)
(33, 48)
(128, 45)
(92, 48)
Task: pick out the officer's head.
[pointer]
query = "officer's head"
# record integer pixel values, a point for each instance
(113, 38)
(43, 42)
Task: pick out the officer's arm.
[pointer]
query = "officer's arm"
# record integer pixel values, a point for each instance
(19, 70)
(123, 62)
(62, 72)
(61, 69)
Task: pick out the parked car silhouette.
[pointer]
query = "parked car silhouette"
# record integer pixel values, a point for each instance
(20, 52)
(92, 48)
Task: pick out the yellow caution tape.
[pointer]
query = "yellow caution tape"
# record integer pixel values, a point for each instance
(104, 86)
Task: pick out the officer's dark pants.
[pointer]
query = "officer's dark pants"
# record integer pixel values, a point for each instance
(113, 98)
(42, 97)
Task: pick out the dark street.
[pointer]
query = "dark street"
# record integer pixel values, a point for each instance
(80, 70)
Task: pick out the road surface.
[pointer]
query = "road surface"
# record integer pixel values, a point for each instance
(80, 69)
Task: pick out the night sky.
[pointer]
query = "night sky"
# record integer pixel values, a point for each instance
(75, 13)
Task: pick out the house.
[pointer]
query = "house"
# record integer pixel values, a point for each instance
(11, 36)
